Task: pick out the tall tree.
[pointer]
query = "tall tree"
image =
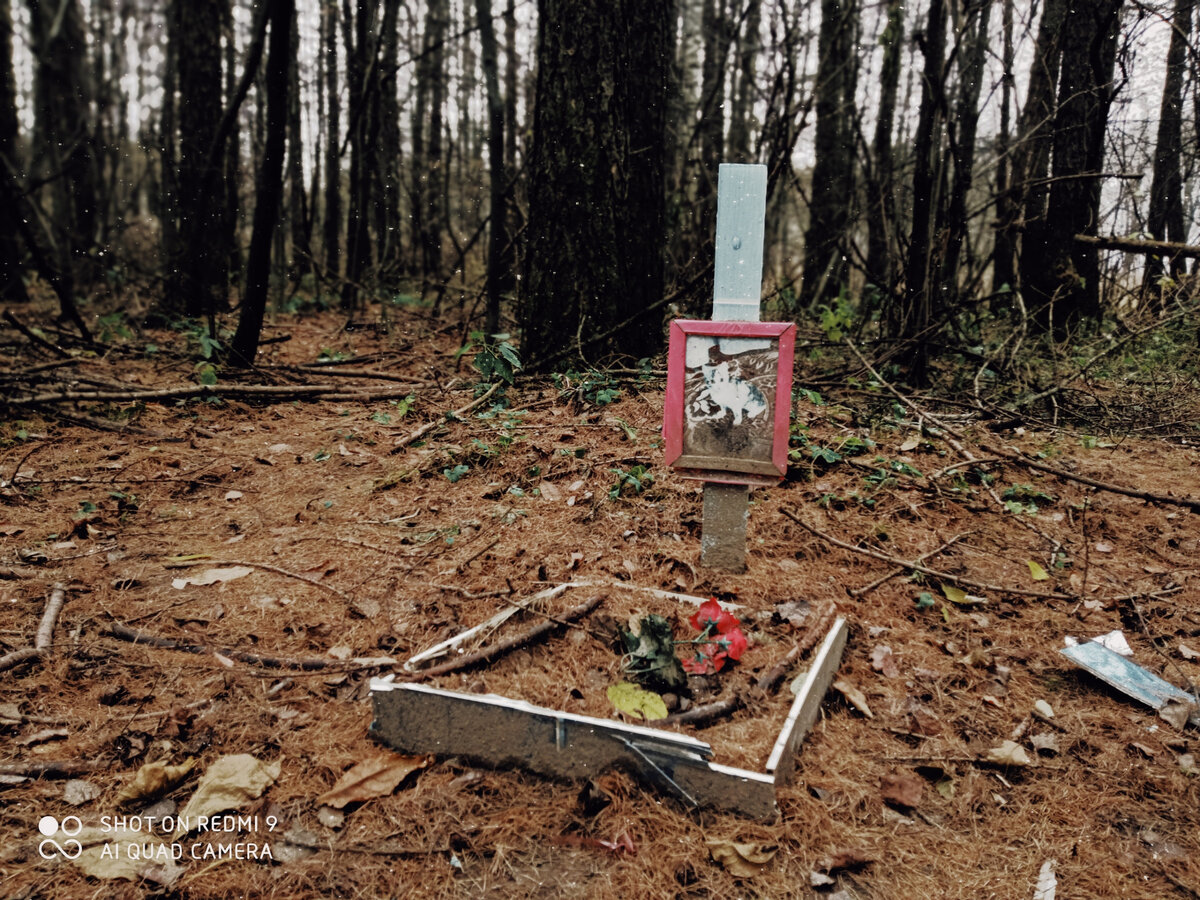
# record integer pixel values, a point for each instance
(63, 155)
(269, 192)
(198, 275)
(11, 286)
(831, 207)
(972, 55)
(1165, 218)
(1062, 275)
(427, 126)
(1003, 249)
(497, 230)
(594, 267)
(882, 257)
(361, 35)
(332, 226)
(916, 315)
(741, 116)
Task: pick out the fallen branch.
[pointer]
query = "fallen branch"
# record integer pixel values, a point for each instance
(499, 648)
(899, 570)
(39, 341)
(69, 768)
(45, 632)
(267, 567)
(917, 567)
(133, 636)
(232, 391)
(1139, 245)
(445, 417)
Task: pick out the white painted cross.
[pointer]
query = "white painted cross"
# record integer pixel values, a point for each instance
(737, 293)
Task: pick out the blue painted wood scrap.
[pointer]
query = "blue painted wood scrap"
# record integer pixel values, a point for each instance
(1126, 676)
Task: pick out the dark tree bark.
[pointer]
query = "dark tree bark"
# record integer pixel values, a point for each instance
(297, 207)
(962, 129)
(1031, 153)
(831, 208)
(332, 227)
(916, 316)
(882, 253)
(597, 205)
(1003, 250)
(1061, 275)
(1165, 219)
(269, 193)
(387, 204)
(433, 78)
(197, 279)
(497, 232)
(361, 33)
(12, 286)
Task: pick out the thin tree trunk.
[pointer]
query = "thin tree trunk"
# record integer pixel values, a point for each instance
(830, 209)
(297, 207)
(497, 232)
(972, 57)
(1002, 252)
(331, 231)
(917, 314)
(741, 117)
(1165, 220)
(882, 254)
(270, 186)
(12, 286)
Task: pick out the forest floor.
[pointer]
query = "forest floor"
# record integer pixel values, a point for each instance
(354, 546)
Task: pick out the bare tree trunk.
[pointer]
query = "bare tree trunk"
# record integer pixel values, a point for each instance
(1061, 274)
(497, 232)
(297, 207)
(387, 203)
(1165, 220)
(197, 276)
(596, 216)
(882, 253)
(920, 281)
(1002, 252)
(972, 55)
(831, 206)
(12, 286)
(741, 117)
(331, 231)
(270, 186)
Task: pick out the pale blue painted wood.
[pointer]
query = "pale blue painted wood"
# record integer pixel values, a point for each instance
(741, 208)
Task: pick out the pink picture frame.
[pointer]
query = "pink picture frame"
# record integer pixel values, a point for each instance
(729, 400)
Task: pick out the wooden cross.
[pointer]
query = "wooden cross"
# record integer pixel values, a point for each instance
(737, 292)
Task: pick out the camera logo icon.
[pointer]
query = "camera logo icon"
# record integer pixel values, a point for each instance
(50, 828)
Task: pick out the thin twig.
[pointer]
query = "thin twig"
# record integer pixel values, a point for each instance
(456, 414)
(68, 768)
(267, 567)
(899, 570)
(45, 632)
(501, 647)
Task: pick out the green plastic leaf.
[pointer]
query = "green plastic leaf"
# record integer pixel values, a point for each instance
(1036, 572)
(637, 701)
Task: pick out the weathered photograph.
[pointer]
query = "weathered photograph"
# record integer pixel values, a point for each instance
(729, 392)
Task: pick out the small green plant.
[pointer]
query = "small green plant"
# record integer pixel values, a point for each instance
(456, 473)
(495, 357)
(112, 326)
(635, 477)
(592, 387)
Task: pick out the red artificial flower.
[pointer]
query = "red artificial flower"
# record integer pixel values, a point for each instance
(710, 613)
(711, 655)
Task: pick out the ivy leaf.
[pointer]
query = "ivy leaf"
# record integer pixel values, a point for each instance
(1036, 572)
(637, 701)
(959, 596)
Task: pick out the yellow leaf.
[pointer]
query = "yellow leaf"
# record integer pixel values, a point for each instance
(153, 779)
(230, 783)
(105, 854)
(959, 596)
(375, 777)
(637, 701)
(1036, 572)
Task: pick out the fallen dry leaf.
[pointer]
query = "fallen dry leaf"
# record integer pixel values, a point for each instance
(845, 858)
(153, 779)
(883, 660)
(46, 734)
(99, 859)
(741, 860)
(1187, 652)
(212, 576)
(230, 783)
(854, 697)
(903, 789)
(1177, 712)
(374, 777)
(77, 792)
(1045, 743)
(1009, 753)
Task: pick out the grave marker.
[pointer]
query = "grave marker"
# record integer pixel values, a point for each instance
(737, 292)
